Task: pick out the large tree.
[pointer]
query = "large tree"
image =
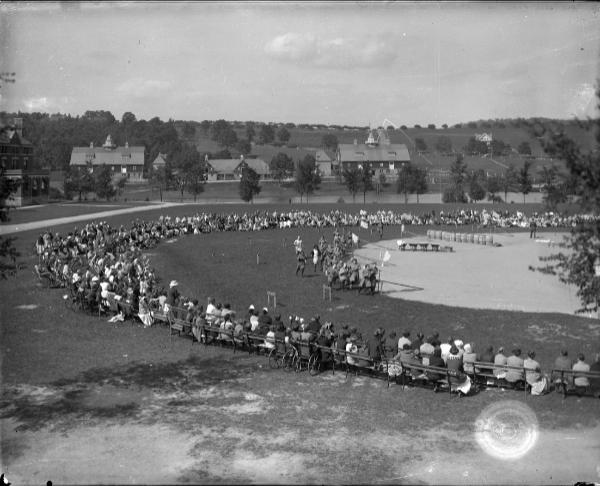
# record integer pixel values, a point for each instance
(283, 135)
(281, 166)
(267, 134)
(249, 184)
(411, 180)
(476, 182)
(458, 179)
(444, 145)
(351, 177)
(103, 185)
(579, 261)
(308, 178)
(78, 180)
(554, 187)
(329, 142)
(508, 180)
(524, 179)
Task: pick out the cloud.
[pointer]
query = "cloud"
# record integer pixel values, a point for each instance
(292, 47)
(337, 52)
(143, 88)
(42, 103)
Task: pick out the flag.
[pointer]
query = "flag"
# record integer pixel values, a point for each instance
(354, 239)
(387, 256)
(364, 224)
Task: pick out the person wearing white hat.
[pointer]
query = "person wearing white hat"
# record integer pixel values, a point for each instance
(172, 296)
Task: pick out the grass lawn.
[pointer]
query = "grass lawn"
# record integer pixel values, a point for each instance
(133, 397)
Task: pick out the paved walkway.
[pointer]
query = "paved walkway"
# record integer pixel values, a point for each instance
(19, 227)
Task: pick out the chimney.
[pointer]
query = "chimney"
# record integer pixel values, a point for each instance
(18, 122)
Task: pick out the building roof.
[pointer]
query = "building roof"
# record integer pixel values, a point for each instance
(394, 152)
(9, 135)
(160, 160)
(224, 166)
(259, 166)
(109, 156)
(229, 166)
(322, 156)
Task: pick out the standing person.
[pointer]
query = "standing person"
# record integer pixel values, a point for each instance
(298, 245)
(301, 263)
(380, 230)
(532, 229)
(315, 256)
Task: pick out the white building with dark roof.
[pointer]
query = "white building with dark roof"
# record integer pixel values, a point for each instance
(123, 161)
(377, 150)
(231, 169)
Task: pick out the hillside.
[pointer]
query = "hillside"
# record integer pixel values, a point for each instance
(306, 140)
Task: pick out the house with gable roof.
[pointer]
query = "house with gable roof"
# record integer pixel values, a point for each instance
(382, 155)
(231, 169)
(123, 161)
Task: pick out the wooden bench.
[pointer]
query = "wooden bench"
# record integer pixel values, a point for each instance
(362, 362)
(565, 380)
(177, 322)
(487, 375)
(425, 375)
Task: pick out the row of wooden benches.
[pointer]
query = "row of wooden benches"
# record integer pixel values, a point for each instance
(315, 358)
(423, 246)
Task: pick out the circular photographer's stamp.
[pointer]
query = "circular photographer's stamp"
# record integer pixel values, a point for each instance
(507, 429)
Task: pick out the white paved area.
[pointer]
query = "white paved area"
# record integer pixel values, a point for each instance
(477, 276)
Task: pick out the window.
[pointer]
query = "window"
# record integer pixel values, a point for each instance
(25, 162)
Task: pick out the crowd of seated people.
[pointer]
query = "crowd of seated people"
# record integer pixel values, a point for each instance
(104, 267)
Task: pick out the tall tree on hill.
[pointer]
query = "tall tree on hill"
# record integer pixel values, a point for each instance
(283, 135)
(524, 179)
(420, 145)
(475, 147)
(580, 263)
(329, 142)
(524, 148)
(223, 133)
(205, 126)
(250, 132)
(281, 167)
(249, 184)
(444, 145)
(458, 178)
(267, 134)
(308, 178)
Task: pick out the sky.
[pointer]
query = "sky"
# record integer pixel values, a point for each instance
(346, 63)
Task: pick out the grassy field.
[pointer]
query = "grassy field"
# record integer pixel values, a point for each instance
(76, 387)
